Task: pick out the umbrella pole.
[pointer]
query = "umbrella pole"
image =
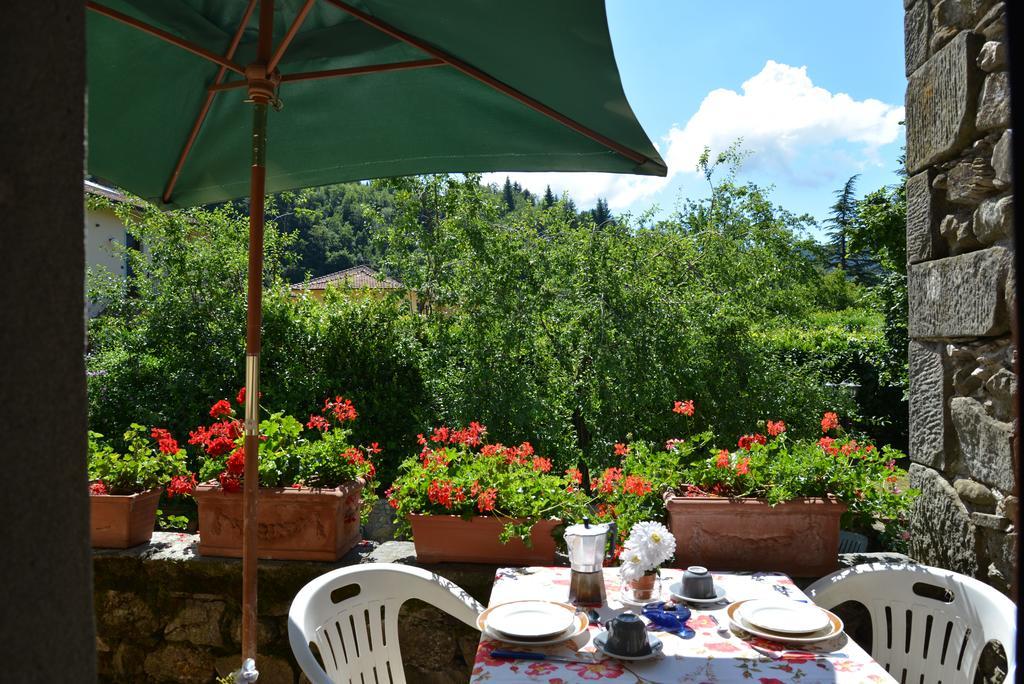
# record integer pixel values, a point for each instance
(254, 317)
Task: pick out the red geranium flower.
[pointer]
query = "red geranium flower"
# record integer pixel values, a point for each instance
(723, 459)
(240, 399)
(98, 487)
(318, 423)
(229, 483)
(181, 484)
(609, 478)
(830, 421)
(684, 408)
(342, 408)
(236, 462)
(575, 475)
(222, 409)
(634, 484)
(373, 448)
(776, 427)
(541, 464)
(742, 468)
(486, 500)
(621, 449)
(165, 442)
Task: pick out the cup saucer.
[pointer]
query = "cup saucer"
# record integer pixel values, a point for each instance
(676, 589)
(601, 640)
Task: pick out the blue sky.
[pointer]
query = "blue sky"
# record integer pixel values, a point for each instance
(814, 88)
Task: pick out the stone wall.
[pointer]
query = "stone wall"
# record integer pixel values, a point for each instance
(166, 614)
(961, 288)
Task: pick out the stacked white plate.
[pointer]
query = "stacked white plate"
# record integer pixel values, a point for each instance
(532, 623)
(786, 621)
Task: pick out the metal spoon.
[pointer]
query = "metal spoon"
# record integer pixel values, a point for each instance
(594, 617)
(723, 632)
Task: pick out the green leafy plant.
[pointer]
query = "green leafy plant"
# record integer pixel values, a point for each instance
(456, 473)
(319, 454)
(151, 458)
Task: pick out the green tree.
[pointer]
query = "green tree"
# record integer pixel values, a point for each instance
(841, 220)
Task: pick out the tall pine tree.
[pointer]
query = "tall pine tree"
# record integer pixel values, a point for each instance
(841, 221)
(601, 213)
(549, 198)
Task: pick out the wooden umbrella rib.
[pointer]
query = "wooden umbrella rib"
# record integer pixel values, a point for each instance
(487, 79)
(164, 36)
(357, 71)
(289, 36)
(205, 108)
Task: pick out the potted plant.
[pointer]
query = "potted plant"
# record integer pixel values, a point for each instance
(776, 504)
(466, 501)
(314, 483)
(635, 490)
(124, 487)
(647, 547)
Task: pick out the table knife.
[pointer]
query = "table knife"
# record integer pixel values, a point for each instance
(530, 655)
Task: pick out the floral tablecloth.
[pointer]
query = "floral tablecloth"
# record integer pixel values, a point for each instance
(707, 657)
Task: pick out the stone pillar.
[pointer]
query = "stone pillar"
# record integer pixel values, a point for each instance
(961, 288)
(46, 624)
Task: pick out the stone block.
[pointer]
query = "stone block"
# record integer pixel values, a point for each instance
(961, 296)
(993, 24)
(970, 181)
(198, 623)
(991, 522)
(1002, 160)
(929, 391)
(1001, 390)
(941, 531)
(993, 220)
(179, 663)
(922, 219)
(916, 35)
(942, 102)
(994, 107)
(958, 232)
(992, 56)
(122, 614)
(986, 444)
(1008, 508)
(974, 492)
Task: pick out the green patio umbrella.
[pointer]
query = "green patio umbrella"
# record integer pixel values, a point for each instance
(179, 92)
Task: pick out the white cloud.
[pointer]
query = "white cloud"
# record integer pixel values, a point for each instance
(780, 114)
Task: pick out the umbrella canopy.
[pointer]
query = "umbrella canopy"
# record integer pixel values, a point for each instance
(370, 89)
(363, 89)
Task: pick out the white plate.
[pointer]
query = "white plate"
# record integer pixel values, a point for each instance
(677, 592)
(530, 619)
(655, 642)
(834, 629)
(579, 627)
(784, 617)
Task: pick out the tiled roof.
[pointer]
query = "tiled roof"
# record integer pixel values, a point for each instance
(355, 278)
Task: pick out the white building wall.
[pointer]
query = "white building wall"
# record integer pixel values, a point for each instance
(102, 229)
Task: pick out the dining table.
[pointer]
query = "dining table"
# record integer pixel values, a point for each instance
(708, 653)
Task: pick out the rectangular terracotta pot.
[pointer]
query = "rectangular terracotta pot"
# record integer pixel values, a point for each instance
(450, 539)
(294, 523)
(118, 521)
(798, 537)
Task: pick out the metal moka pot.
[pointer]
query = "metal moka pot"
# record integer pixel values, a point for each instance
(588, 545)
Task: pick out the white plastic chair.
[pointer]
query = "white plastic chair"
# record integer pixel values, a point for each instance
(927, 624)
(357, 635)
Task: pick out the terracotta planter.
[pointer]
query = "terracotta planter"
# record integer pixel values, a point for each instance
(120, 521)
(450, 539)
(798, 537)
(294, 524)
